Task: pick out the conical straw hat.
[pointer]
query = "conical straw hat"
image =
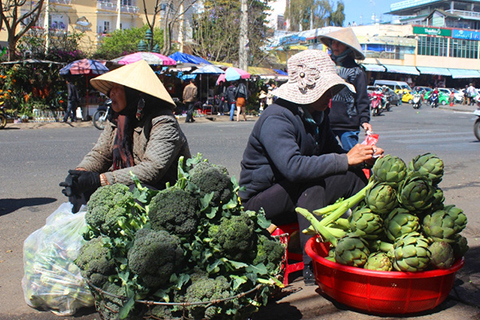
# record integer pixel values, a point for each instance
(347, 37)
(138, 76)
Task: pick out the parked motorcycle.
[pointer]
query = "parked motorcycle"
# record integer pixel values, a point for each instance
(4, 116)
(377, 103)
(434, 100)
(476, 125)
(101, 115)
(417, 100)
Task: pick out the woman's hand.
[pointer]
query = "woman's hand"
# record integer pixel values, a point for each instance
(363, 153)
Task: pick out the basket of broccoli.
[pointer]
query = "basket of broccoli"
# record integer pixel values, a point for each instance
(187, 251)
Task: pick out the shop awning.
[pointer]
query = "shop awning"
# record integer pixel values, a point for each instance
(373, 67)
(464, 73)
(402, 69)
(434, 71)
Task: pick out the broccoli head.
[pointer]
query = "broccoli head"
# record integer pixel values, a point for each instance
(234, 236)
(205, 289)
(174, 210)
(95, 262)
(107, 205)
(270, 252)
(155, 256)
(211, 178)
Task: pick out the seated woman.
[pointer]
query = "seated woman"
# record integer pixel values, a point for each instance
(142, 137)
(292, 158)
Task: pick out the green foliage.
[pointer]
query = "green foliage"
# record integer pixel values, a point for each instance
(122, 42)
(323, 13)
(228, 247)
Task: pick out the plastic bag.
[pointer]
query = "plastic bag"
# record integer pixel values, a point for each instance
(51, 279)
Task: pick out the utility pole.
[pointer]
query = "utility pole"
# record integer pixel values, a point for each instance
(119, 14)
(243, 41)
(46, 25)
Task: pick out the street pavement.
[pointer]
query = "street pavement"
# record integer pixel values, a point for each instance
(297, 301)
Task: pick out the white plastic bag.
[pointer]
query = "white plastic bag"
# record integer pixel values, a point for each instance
(51, 280)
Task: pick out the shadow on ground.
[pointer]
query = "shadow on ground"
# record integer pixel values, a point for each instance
(10, 205)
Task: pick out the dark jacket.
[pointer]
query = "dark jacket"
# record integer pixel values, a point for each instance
(284, 146)
(73, 95)
(349, 110)
(231, 93)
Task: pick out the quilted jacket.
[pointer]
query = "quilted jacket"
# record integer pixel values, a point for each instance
(158, 142)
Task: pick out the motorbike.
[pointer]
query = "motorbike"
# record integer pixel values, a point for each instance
(417, 100)
(102, 114)
(476, 125)
(377, 103)
(4, 116)
(434, 100)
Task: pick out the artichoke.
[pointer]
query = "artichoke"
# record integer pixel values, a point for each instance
(379, 261)
(442, 255)
(438, 199)
(352, 250)
(411, 253)
(399, 222)
(445, 224)
(389, 169)
(381, 198)
(428, 165)
(460, 246)
(366, 224)
(415, 193)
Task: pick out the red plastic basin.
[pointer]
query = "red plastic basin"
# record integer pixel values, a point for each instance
(380, 292)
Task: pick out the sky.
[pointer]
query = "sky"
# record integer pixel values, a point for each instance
(361, 11)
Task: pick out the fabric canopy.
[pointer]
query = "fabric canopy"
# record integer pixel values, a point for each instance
(434, 71)
(181, 57)
(373, 67)
(464, 73)
(402, 69)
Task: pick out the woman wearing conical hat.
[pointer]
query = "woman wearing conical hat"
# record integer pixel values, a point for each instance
(349, 111)
(142, 137)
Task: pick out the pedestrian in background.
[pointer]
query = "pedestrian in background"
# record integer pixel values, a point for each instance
(73, 98)
(189, 99)
(471, 93)
(241, 99)
(231, 97)
(349, 110)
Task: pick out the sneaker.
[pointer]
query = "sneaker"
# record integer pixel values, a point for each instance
(308, 275)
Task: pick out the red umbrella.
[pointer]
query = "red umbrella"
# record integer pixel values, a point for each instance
(84, 67)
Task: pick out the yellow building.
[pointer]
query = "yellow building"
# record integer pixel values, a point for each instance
(97, 18)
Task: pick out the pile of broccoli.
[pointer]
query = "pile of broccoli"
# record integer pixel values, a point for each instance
(190, 246)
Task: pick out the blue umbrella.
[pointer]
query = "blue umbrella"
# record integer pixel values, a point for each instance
(84, 67)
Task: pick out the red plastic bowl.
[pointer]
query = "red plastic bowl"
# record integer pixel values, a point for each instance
(380, 292)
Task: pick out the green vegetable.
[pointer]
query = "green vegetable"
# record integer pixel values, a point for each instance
(379, 261)
(442, 255)
(209, 178)
(95, 261)
(155, 256)
(445, 224)
(352, 250)
(399, 222)
(389, 169)
(428, 165)
(411, 253)
(366, 224)
(270, 252)
(174, 210)
(381, 198)
(415, 193)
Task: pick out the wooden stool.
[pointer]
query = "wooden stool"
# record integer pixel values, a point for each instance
(292, 261)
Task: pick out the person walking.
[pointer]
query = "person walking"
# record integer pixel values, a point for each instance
(241, 99)
(231, 93)
(73, 98)
(471, 93)
(292, 158)
(189, 98)
(349, 110)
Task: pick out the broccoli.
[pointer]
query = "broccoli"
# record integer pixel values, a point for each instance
(174, 210)
(234, 236)
(211, 178)
(155, 256)
(205, 289)
(95, 262)
(270, 252)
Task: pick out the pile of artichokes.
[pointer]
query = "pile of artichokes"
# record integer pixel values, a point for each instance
(400, 221)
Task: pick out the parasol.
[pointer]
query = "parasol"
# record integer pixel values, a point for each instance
(152, 58)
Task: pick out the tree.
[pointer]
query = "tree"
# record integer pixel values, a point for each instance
(307, 14)
(216, 30)
(173, 11)
(122, 42)
(16, 23)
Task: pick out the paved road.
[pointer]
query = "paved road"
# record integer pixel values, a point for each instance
(34, 161)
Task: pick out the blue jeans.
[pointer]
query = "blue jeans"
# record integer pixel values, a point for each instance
(233, 107)
(347, 138)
